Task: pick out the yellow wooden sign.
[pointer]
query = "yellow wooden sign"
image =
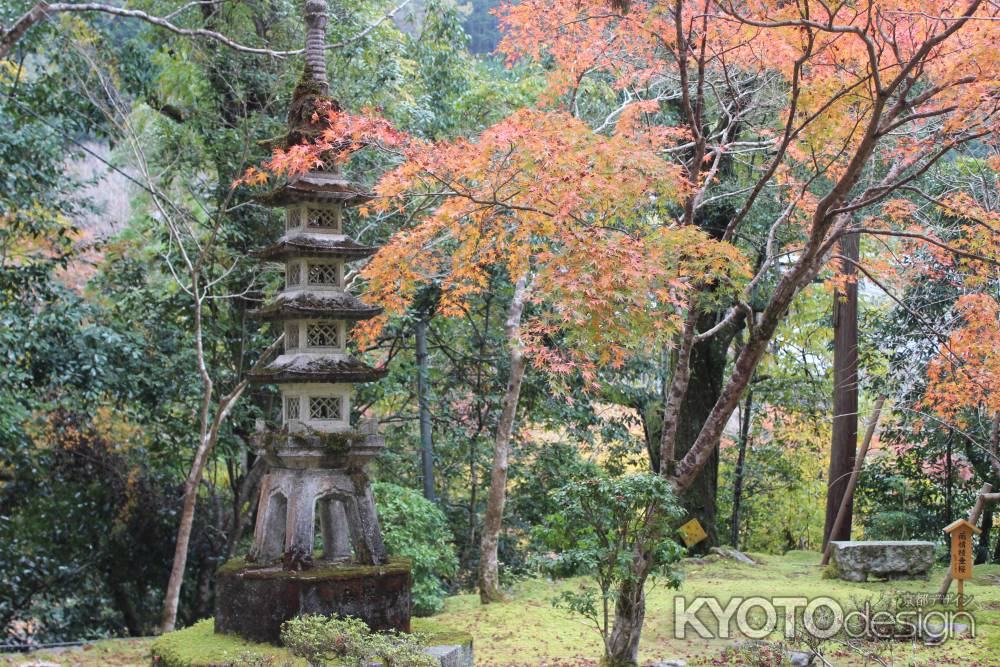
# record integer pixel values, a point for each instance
(961, 532)
(692, 533)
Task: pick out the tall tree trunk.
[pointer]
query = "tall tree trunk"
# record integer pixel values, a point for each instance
(844, 444)
(172, 597)
(949, 509)
(426, 444)
(708, 368)
(630, 612)
(734, 529)
(489, 577)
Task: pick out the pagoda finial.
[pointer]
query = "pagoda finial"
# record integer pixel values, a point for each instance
(312, 93)
(315, 71)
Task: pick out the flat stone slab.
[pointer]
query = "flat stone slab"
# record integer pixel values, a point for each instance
(856, 560)
(453, 655)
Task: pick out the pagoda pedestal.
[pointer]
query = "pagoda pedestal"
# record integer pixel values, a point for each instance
(317, 545)
(254, 600)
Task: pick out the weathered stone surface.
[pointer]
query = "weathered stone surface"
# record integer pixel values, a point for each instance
(791, 656)
(453, 655)
(253, 601)
(857, 560)
(732, 554)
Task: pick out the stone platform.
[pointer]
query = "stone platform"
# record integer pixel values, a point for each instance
(882, 559)
(253, 601)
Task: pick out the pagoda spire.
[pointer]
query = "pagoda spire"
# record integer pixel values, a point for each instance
(316, 17)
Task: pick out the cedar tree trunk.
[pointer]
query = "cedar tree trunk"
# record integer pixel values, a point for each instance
(844, 444)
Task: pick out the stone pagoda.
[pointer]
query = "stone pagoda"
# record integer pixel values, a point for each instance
(317, 459)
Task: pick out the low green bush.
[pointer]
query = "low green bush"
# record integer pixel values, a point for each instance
(342, 640)
(417, 529)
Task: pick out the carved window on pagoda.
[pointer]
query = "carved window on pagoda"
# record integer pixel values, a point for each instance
(293, 218)
(324, 274)
(323, 218)
(323, 334)
(291, 337)
(323, 408)
(292, 407)
(293, 274)
(328, 163)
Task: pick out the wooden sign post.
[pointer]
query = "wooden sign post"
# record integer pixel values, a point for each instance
(961, 532)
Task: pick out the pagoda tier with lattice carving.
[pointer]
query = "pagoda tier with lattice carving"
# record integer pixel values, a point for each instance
(315, 309)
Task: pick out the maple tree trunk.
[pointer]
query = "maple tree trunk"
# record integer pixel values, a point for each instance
(426, 443)
(844, 442)
(489, 572)
(677, 393)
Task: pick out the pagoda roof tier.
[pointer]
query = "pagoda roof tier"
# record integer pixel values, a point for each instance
(316, 368)
(324, 305)
(301, 244)
(317, 187)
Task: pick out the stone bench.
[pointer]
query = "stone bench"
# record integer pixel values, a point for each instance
(883, 559)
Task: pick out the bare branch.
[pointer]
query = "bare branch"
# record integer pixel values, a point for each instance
(44, 10)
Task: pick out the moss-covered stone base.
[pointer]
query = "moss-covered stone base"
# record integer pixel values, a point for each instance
(252, 601)
(200, 646)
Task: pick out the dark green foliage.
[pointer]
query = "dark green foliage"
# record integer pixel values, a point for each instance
(899, 500)
(539, 469)
(415, 528)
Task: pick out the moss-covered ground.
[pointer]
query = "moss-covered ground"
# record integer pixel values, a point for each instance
(527, 630)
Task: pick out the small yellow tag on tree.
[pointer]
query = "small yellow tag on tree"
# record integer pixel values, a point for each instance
(692, 533)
